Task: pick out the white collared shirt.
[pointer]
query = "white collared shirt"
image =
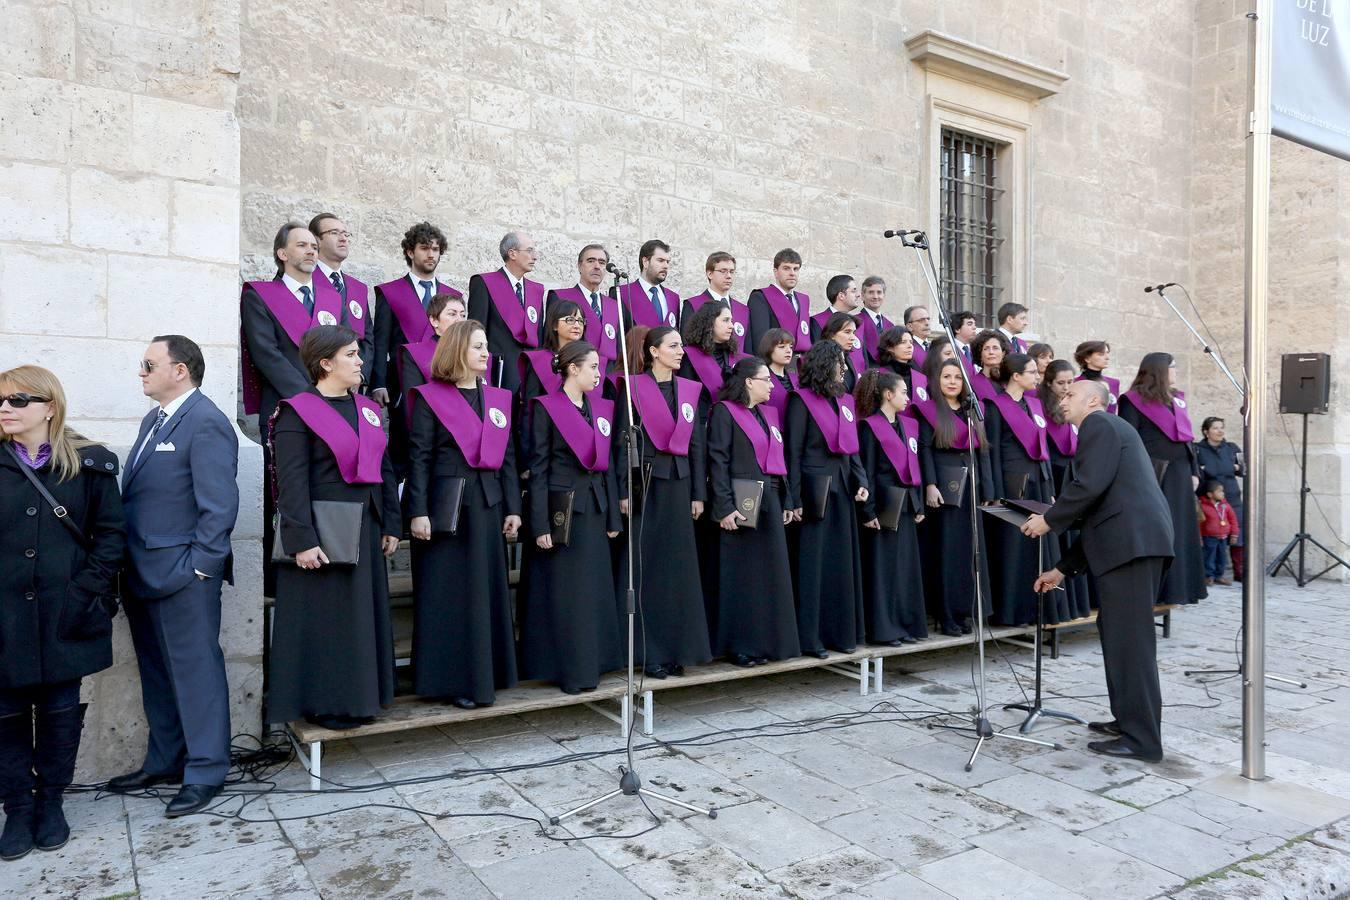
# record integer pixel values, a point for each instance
(515, 282)
(328, 272)
(586, 292)
(719, 298)
(417, 285)
(660, 293)
(791, 295)
(294, 287)
(173, 406)
(1007, 334)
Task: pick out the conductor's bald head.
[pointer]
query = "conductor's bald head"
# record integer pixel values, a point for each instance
(1083, 399)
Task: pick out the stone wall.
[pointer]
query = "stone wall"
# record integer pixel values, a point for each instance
(119, 220)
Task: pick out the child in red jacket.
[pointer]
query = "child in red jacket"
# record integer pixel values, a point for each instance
(1218, 528)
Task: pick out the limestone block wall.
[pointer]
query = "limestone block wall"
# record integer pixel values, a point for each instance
(119, 220)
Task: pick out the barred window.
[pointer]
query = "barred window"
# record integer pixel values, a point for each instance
(970, 237)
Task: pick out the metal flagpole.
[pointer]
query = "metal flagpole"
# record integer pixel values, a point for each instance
(1254, 355)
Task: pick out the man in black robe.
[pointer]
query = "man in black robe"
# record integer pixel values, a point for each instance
(334, 248)
(519, 256)
(1126, 542)
(787, 265)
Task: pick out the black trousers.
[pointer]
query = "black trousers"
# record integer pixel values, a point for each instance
(1130, 651)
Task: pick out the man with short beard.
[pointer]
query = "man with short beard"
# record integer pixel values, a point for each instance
(647, 301)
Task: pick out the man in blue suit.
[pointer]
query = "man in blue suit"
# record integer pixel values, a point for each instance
(181, 500)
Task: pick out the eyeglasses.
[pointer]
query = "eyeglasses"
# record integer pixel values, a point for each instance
(339, 232)
(768, 378)
(22, 399)
(724, 271)
(573, 320)
(147, 366)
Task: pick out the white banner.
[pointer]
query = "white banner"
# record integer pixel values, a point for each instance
(1310, 74)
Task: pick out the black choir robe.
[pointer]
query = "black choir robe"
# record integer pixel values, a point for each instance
(503, 344)
(463, 629)
(757, 617)
(332, 642)
(892, 572)
(1082, 599)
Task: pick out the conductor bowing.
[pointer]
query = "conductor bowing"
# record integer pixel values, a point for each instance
(1114, 498)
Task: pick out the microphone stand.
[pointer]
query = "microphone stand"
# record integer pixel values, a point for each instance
(630, 785)
(1223, 367)
(979, 726)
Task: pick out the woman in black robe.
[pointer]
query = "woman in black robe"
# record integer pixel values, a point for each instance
(463, 634)
(1154, 392)
(1015, 415)
(564, 323)
(332, 658)
(829, 569)
(671, 489)
(892, 573)
(949, 579)
(1055, 383)
(569, 632)
(758, 622)
(895, 351)
(842, 328)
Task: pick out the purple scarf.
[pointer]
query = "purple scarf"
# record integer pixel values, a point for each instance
(482, 441)
(1171, 419)
(787, 316)
(521, 321)
(359, 453)
(903, 453)
(840, 429)
(589, 441)
(768, 447)
(1029, 429)
(669, 433)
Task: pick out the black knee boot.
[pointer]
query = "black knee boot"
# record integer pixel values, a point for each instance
(16, 784)
(55, 748)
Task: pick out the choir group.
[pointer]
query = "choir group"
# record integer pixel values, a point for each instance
(795, 482)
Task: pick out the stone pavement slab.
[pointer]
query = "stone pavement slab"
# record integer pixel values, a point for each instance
(979, 875)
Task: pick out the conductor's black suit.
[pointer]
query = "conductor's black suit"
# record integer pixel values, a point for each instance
(1114, 499)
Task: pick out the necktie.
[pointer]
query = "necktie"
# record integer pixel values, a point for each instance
(965, 351)
(307, 298)
(658, 305)
(595, 303)
(792, 298)
(154, 430)
(520, 293)
(426, 292)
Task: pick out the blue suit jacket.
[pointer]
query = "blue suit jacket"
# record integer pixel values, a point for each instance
(181, 504)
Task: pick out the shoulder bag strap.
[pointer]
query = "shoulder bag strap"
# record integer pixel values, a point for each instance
(57, 509)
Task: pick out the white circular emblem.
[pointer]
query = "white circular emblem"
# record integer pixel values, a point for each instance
(532, 314)
(670, 319)
(371, 416)
(739, 329)
(777, 435)
(848, 413)
(806, 329)
(1040, 423)
(609, 330)
(1074, 429)
(326, 318)
(921, 393)
(355, 309)
(1181, 404)
(1113, 400)
(603, 424)
(856, 343)
(498, 417)
(687, 410)
(913, 445)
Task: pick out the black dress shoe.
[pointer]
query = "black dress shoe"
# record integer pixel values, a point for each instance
(818, 654)
(335, 723)
(570, 690)
(463, 703)
(951, 631)
(1121, 750)
(967, 627)
(1110, 728)
(141, 779)
(677, 670)
(909, 640)
(657, 671)
(895, 643)
(740, 659)
(761, 660)
(192, 798)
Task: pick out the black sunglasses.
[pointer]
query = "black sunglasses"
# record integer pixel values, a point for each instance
(21, 399)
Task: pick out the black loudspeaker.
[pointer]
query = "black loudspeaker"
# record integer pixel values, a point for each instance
(1305, 383)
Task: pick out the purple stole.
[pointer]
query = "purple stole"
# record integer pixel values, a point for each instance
(856, 358)
(291, 316)
(920, 355)
(1065, 437)
(359, 453)
(588, 441)
(406, 305)
(960, 433)
(840, 429)
(871, 338)
(1029, 429)
(768, 447)
(1112, 385)
(918, 395)
(903, 454)
(482, 441)
(640, 305)
(1173, 420)
(740, 315)
(707, 369)
(778, 400)
(669, 433)
(521, 321)
(601, 332)
(785, 314)
(358, 309)
(984, 388)
(541, 361)
(421, 354)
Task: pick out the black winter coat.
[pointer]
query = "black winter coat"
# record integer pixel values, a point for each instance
(53, 625)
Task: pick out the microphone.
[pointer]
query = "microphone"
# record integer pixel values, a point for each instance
(894, 234)
(1159, 287)
(615, 270)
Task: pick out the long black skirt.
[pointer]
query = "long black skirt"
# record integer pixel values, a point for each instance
(671, 623)
(569, 632)
(332, 643)
(708, 540)
(1078, 590)
(1184, 581)
(829, 577)
(1014, 562)
(948, 576)
(757, 615)
(463, 635)
(892, 584)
